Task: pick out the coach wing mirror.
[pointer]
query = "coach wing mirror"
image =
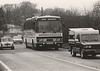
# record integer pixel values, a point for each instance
(76, 40)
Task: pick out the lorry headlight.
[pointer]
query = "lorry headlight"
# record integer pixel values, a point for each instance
(87, 46)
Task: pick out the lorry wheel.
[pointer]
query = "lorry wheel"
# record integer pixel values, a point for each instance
(56, 48)
(93, 55)
(83, 55)
(1, 48)
(73, 53)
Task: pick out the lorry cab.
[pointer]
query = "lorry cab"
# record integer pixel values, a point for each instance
(85, 42)
(74, 33)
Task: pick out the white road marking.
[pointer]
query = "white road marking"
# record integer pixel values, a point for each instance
(92, 68)
(5, 67)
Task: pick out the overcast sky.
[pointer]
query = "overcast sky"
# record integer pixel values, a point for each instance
(66, 4)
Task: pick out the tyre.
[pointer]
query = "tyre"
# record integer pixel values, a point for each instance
(83, 55)
(21, 42)
(33, 47)
(1, 48)
(12, 48)
(56, 48)
(73, 53)
(26, 43)
(70, 48)
(93, 55)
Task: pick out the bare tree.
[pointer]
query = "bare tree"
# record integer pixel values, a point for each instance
(17, 13)
(2, 18)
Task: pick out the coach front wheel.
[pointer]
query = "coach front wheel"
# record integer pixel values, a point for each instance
(26, 43)
(33, 45)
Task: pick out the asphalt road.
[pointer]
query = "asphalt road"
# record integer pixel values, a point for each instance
(23, 59)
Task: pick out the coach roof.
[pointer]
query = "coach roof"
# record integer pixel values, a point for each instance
(37, 17)
(48, 16)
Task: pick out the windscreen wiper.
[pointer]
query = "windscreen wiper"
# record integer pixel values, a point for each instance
(53, 29)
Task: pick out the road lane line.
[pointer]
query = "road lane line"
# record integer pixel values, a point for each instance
(96, 69)
(4, 67)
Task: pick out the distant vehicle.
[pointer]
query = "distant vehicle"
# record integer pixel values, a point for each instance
(73, 32)
(84, 41)
(17, 39)
(43, 31)
(6, 42)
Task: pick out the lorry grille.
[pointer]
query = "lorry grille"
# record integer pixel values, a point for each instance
(96, 46)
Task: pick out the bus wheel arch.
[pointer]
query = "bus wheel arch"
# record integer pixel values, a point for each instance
(33, 45)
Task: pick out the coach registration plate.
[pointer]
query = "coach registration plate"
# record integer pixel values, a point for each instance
(49, 43)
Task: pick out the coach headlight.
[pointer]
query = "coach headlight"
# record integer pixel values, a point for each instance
(58, 39)
(54, 40)
(44, 39)
(39, 40)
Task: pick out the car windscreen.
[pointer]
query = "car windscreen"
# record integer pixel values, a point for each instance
(7, 39)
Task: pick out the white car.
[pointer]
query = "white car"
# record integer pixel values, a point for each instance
(17, 39)
(6, 42)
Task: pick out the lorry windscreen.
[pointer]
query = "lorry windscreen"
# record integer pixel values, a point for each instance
(90, 38)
